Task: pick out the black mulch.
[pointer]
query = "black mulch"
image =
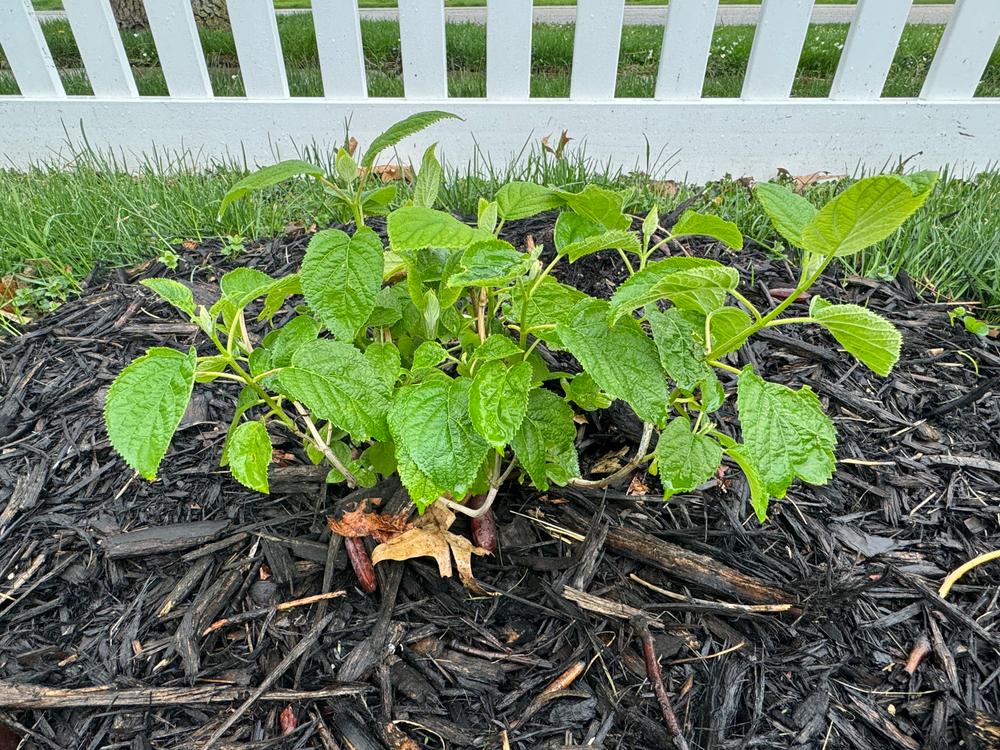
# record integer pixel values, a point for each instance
(868, 658)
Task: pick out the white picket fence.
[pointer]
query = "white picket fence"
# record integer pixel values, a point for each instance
(753, 135)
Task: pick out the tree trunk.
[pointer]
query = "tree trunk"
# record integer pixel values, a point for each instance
(131, 14)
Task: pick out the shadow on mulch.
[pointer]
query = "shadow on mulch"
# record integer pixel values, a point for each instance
(110, 582)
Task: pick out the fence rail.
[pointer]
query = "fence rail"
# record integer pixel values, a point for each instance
(762, 130)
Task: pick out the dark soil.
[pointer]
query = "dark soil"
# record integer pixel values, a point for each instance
(868, 657)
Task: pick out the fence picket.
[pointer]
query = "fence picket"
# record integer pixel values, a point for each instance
(869, 50)
(777, 47)
(687, 40)
(179, 48)
(258, 47)
(425, 60)
(965, 50)
(101, 49)
(508, 49)
(341, 56)
(26, 51)
(596, 46)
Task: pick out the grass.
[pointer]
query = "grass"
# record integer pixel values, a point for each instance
(552, 53)
(61, 220)
(287, 4)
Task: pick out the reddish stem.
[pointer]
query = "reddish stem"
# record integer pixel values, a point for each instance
(484, 527)
(361, 562)
(656, 677)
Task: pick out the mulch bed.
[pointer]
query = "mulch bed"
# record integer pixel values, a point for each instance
(108, 583)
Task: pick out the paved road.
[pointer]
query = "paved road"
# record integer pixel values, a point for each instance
(650, 15)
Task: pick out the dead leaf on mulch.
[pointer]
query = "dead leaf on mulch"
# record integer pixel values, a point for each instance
(800, 183)
(430, 537)
(393, 172)
(610, 462)
(359, 522)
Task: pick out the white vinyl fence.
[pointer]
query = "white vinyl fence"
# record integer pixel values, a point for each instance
(753, 135)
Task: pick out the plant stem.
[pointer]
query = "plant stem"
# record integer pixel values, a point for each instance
(746, 303)
(635, 463)
(790, 321)
(330, 456)
(724, 366)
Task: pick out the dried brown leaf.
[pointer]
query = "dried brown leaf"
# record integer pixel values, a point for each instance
(361, 523)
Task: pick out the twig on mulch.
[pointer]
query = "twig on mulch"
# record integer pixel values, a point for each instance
(30, 697)
(558, 685)
(252, 614)
(656, 677)
(300, 648)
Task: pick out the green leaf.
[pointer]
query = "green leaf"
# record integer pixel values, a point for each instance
(385, 361)
(759, 497)
(242, 286)
(729, 328)
(486, 215)
(872, 339)
(425, 191)
(347, 168)
(430, 422)
(249, 453)
(693, 223)
(600, 205)
(497, 346)
(612, 240)
(416, 228)
(498, 401)
(685, 460)
(549, 304)
(519, 200)
(247, 399)
(621, 358)
(419, 486)
(545, 445)
(785, 433)
(173, 292)
(867, 212)
(278, 294)
(680, 353)
(695, 283)
(429, 354)
(789, 213)
(376, 202)
(571, 229)
(145, 405)
(584, 392)
(266, 177)
(341, 277)
(650, 225)
(281, 344)
(337, 383)
(490, 263)
(972, 325)
(403, 129)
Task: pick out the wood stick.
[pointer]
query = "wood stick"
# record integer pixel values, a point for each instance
(656, 677)
(23, 696)
(252, 614)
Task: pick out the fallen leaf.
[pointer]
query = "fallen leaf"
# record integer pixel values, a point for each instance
(801, 182)
(637, 486)
(430, 537)
(398, 740)
(189, 244)
(666, 188)
(352, 145)
(393, 172)
(359, 523)
(287, 721)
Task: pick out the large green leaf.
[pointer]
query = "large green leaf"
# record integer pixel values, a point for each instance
(402, 129)
(685, 460)
(693, 223)
(729, 328)
(498, 401)
(497, 346)
(430, 422)
(786, 434)
(643, 287)
(419, 486)
(600, 205)
(145, 405)
(267, 177)
(789, 213)
(416, 228)
(280, 344)
(572, 229)
(341, 277)
(337, 383)
(490, 263)
(385, 361)
(549, 304)
(616, 239)
(621, 358)
(867, 212)
(759, 496)
(872, 339)
(173, 292)
(425, 190)
(241, 286)
(249, 453)
(688, 282)
(545, 445)
(519, 200)
(680, 353)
